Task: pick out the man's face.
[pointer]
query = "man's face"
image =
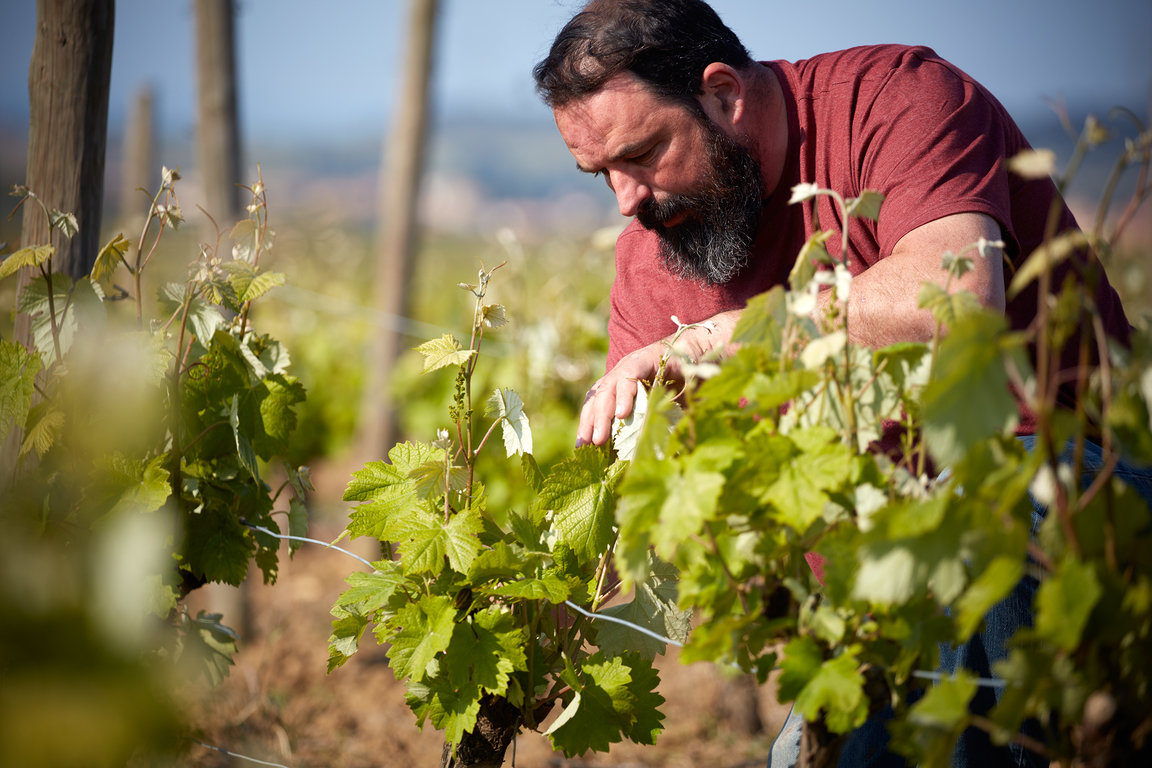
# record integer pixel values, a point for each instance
(673, 169)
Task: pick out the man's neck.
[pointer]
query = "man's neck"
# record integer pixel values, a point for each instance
(765, 132)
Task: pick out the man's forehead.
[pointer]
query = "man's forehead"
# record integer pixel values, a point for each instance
(621, 113)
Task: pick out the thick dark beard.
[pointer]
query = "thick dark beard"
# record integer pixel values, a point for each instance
(713, 243)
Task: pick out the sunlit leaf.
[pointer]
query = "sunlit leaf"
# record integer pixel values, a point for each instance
(31, 256)
(867, 206)
(495, 315)
(605, 709)
(802, 192)
(969, 398)
(812, 254)
(1047, 257)
(44, 425)
(110, 257)
(442, 352)
(18, 369)
(548, 587)
(1065, 601)
(626, 432)
(65, 222)
(506, 405)
(836, 690)
(577, 491)
(1033, 163)
(418, 632)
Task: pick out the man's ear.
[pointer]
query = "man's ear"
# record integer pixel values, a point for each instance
(722, 93)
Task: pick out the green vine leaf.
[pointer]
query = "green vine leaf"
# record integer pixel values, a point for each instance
(1048, 256)
(204, 318)
(605, 708)
(506, 405)
(212, 643)
(297, 522)
(992, 586)
(937, 720)
(451, 709)
(762, 320)
(347, 628)
(111, 256)
(217, 546)
(486, 649)
(244, 448)
(578, 492)
(1064, 603)
(555, 589)
(812, 255)
(866, 206)
(837, 690)
(18, 370)
(802, 489)
(31, 256)
(802, 660)
(248, 282)
(418, 632)
(654, 608)
(387, 490)
(44, 426)
(425, 541)
(442, 352)
(366, 596)
(969, 398)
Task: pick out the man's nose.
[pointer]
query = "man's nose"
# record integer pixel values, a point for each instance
(630, 193)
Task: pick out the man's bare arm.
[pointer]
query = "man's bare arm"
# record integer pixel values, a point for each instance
(882, 305)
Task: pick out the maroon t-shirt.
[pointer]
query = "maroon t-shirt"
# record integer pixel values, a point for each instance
(894, 119)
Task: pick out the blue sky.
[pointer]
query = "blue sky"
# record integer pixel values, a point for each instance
(327, 70)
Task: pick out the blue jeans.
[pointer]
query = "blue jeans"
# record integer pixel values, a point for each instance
(866, 747)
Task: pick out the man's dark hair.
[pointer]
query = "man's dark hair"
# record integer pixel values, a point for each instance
(666, 43)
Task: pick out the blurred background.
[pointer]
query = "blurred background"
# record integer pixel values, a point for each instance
(318, 85)
(318, 94)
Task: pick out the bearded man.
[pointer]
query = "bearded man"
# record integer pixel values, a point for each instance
(702, 146)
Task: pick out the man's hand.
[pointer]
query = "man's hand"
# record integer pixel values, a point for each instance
(613, 396)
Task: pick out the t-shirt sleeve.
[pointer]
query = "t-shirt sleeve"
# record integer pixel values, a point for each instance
(933, 141)
(633, 319)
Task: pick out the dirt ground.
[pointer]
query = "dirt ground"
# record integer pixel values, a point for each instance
(279, 706)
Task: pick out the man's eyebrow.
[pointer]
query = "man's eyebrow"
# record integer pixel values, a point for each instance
(629, 150)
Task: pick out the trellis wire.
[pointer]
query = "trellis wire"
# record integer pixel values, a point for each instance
(223, 751)
(985, 682)
(310, 541)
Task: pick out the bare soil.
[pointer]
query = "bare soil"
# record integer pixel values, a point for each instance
(280, 706)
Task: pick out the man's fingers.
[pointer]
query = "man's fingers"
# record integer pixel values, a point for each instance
(603, 411)
(625, 397)
(587, 417)
(614, 396)
(604, 403)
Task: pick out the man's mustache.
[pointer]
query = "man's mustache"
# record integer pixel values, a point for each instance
(654, 214)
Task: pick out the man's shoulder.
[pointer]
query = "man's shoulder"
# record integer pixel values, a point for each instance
(863, 63)
(878, 55)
